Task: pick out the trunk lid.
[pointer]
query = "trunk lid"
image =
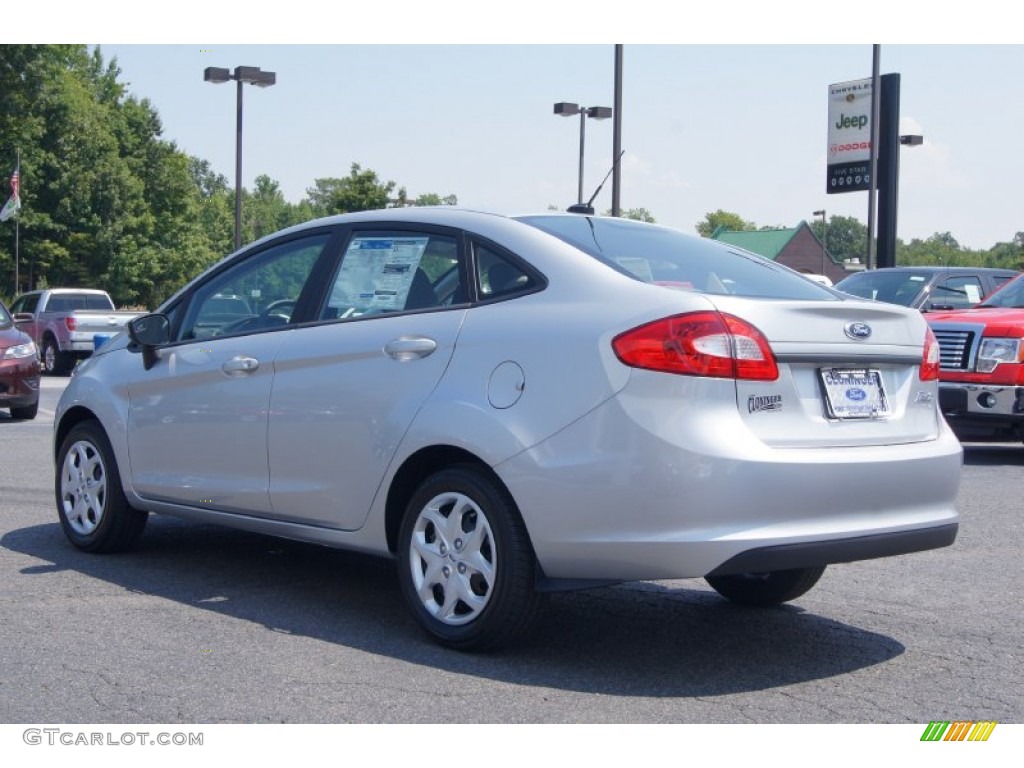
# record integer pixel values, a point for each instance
(849, 374)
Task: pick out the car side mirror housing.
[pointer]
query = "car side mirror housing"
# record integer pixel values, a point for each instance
(150, 332)
(22, 317)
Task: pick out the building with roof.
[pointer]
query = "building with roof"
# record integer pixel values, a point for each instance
(798, 248)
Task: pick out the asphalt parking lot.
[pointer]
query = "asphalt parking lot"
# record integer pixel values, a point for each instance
(202, 624)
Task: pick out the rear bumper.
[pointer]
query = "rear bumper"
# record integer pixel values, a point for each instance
(693, 492)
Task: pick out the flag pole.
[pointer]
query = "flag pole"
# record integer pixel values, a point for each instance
(17, 233)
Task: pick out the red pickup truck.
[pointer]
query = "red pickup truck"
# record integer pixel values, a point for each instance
(981, 374)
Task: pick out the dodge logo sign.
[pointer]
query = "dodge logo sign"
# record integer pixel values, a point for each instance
(857, 331)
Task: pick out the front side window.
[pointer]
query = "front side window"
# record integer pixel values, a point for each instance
(26, 303)
(394, 272)
(958, 292)
(257, 294)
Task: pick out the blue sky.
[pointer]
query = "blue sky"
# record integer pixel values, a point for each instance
(738, 124)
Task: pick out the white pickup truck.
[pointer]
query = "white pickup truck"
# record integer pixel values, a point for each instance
(64, 322)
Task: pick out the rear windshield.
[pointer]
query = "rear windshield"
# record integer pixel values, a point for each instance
(667, 257)
(69, 302)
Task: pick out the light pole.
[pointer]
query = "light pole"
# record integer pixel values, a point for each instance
(567, 109)
(253, 76)
(824, 237)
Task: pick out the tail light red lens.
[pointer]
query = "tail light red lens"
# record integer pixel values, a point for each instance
(930, 358)
(71, 323)
(699, 344)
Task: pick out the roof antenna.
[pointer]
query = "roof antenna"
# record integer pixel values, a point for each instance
(587, 209)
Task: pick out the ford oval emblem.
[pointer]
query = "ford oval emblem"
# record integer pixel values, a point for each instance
(857, 330)
(856, 395)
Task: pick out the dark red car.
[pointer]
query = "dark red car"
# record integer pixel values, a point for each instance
(19, 369)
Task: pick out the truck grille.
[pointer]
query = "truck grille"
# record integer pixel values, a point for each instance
(955, 346)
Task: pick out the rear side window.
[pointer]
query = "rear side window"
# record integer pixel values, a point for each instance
(667, 257)
(498, 276)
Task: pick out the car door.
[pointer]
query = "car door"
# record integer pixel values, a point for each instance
(197, 431)
(346, 390)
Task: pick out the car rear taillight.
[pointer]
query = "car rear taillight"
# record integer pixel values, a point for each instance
(71, 323)
(930, 358)
(699, 344)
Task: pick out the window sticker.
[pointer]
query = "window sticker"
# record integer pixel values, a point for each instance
(637, 266)
(973, 292)
(377, 273)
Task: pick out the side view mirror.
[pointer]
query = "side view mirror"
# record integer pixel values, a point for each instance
(150, 332)
(22, 317)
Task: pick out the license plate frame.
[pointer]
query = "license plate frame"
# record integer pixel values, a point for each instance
(852, 394)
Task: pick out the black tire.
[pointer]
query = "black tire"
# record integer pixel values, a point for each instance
(91, 504)
(465, 562)
(53, 362)
(25, 411)
(765, 589)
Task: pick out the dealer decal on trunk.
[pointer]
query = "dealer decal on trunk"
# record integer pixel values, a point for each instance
(758, 403)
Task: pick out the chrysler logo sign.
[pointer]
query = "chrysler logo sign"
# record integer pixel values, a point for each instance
(857, 331)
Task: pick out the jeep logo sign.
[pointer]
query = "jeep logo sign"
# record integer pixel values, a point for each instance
(849, 136)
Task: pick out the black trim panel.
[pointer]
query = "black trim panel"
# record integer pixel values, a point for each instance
(808, 554)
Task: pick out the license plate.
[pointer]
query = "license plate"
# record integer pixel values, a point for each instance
(854, 393)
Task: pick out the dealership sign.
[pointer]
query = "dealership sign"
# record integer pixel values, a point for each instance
(849, 136)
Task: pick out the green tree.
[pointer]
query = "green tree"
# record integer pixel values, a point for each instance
(105, 201)
(359, 191)
(432, 198)
(940, 249)
(845, 237)
(723, 219)
(264, 210)
(637, 214)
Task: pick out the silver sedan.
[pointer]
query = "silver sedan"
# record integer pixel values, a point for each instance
(514, 405)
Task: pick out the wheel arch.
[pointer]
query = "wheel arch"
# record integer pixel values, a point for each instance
(417, 468)
(72, 418)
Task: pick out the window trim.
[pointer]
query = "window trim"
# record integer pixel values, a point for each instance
(385, 229)
(178, 310)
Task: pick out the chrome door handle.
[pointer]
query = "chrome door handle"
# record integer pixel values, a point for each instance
(239, 365)
(409, 347)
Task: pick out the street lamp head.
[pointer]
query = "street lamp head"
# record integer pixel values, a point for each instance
(567, 109)
(255, 76)
(599, 113)
(911, 140)
(818, 213)
(216, 75)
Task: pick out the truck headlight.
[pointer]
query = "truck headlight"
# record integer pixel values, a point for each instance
(20, 351)
(995, 351)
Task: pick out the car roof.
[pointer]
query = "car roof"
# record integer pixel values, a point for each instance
(932, 268)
